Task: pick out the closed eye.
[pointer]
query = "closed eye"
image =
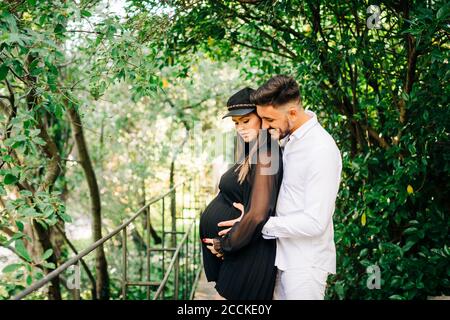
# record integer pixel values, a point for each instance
(243, 121)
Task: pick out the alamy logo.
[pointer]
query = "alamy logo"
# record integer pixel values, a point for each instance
(374, 280)
(373, 21)
(73, 281)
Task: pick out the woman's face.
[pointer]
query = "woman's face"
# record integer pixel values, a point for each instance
(247, 126)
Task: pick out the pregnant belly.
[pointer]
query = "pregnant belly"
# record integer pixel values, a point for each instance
(219, 209)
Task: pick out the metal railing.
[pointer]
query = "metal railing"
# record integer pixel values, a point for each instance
(185, 253)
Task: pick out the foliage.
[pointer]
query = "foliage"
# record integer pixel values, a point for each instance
(152, 73)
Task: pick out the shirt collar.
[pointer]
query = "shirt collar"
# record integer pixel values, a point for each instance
(284, 141)
(304, 128)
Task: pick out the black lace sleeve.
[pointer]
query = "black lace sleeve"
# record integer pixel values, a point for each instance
(263, 197)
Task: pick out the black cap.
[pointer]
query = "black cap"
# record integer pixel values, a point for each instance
(239, 103)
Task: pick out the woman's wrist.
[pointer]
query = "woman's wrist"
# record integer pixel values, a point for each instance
(217, 245)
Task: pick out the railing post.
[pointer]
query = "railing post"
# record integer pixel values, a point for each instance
(195, 239)
(124, 264)
(177, 276)
(196, 192)
(183, 203)
(186, 262)
(173, 214)
(163, 240)
(148, 251)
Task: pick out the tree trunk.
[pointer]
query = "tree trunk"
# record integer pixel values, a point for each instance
(53, 169)
(54, 292)
(101, 266)
(173, 204)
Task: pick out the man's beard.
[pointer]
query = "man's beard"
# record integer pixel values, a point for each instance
(278, 134)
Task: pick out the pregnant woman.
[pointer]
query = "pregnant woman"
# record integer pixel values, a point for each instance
(246, 270)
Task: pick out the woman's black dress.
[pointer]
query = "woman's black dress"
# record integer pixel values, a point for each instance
(248, 270)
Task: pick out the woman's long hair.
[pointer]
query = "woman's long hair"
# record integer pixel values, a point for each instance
(247, 153)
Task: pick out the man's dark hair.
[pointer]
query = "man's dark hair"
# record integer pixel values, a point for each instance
(277, 91)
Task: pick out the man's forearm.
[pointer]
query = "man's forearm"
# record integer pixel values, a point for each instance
(294, 226)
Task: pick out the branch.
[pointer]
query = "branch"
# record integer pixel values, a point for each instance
(375, 135)
(410, 74)
(271, 38)
(12, 115)
(7, 231)
(15, 74)
(261, 49)
(50, 149)
(410, 71)
(264, 33)
(73, 160)
(274, 24)
(11, 98)
(249, 1)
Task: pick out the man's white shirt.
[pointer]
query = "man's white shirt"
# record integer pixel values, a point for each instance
(303, 224)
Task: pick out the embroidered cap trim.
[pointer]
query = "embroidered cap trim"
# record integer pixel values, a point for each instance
(241, 106)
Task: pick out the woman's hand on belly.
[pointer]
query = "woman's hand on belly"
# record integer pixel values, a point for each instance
(230, 223)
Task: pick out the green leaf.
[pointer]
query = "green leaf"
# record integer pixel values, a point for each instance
(19, 225)
(22, 251)
(39, 275)
(47, 254)
(65, 217)
(408, 245)
(59, 28)
(25, 193)
(34, 132)
(3, 72)
(405, 96)
(12, 267)
(441, 12)
(39, 141)
(21, 137)
(410, 230)
(18, 67)
(48, 211)
(7, 158)
(447, 250)
(9, 179)
(29, 280)
(33, 64)
(30, 212)
(8, 142)
(42, 223)
(36, 71)
(396, 297)
(85, 13)
(48, 265)
(17, 235)
(363, 252)
(3, 240)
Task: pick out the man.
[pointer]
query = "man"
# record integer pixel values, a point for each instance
(303, 225)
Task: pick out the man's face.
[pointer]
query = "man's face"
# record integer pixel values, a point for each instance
(275, 120)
